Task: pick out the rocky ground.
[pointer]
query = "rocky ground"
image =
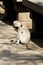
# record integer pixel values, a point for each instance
(18, 55)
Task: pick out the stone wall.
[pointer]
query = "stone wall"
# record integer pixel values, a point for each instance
(23, 14)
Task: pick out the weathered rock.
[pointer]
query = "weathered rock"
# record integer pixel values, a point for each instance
(2, 8)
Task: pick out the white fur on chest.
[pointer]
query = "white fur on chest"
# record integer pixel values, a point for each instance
(24, 35)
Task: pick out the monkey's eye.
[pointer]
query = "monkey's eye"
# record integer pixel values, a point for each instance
(21, 25)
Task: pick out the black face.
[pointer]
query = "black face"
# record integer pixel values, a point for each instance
(16, 28)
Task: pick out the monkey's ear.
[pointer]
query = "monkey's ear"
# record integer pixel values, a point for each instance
(21, 25)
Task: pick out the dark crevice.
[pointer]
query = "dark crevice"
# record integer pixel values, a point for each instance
(10, 11)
